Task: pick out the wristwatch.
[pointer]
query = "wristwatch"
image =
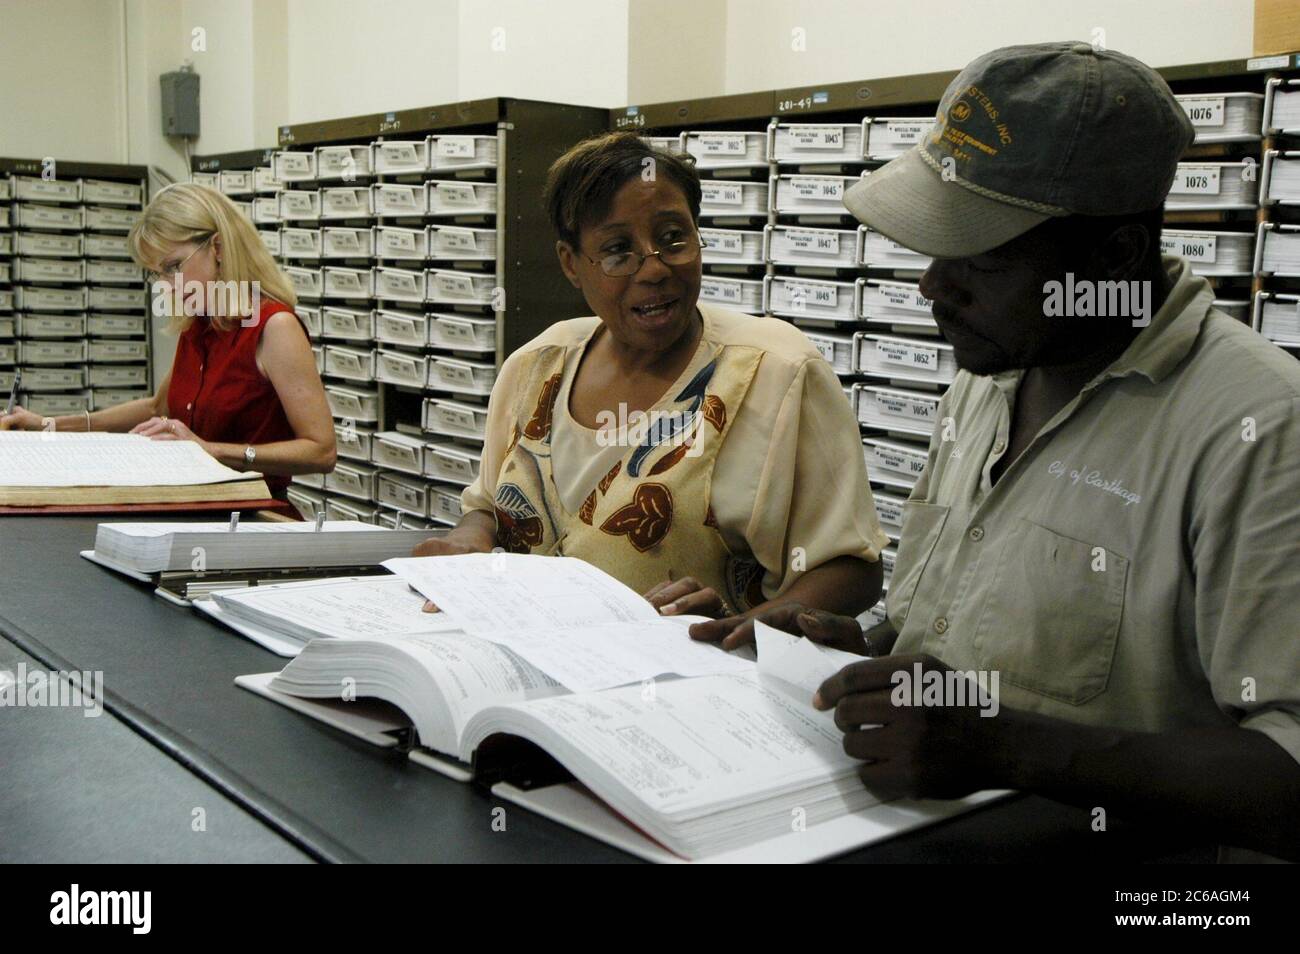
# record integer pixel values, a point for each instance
(250, 455)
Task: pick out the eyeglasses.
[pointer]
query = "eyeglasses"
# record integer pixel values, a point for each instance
(623, 264)
(177, 266)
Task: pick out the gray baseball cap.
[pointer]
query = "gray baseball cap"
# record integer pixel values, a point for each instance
(1025, 133)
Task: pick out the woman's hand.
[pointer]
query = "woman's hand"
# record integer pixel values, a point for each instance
(819, 626)
(686, 597)
(20, 420)
(170, 429)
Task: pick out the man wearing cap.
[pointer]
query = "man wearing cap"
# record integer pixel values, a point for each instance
(1109, 520)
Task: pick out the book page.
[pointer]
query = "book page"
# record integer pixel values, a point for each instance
(42, 459)
(800, 664)
(515, 592)
(347, 608)
(588, 658)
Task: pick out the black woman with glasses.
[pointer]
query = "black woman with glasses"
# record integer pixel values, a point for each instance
(243, 383)
(702, 456)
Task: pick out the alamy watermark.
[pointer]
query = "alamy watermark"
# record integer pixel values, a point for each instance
(946, 687)
(1089, 299)
(39, 688)
(215, 299)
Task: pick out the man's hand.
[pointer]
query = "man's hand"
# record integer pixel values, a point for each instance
(827, 629)
(913, 751)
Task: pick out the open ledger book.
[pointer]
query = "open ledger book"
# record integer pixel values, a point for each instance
(541, 660)
(40, 468)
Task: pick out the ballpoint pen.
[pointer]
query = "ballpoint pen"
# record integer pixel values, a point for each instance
(13, 391)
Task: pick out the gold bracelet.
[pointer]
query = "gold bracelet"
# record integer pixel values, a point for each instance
(87, 420)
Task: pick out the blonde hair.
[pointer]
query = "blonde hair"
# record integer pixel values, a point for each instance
(188, 212)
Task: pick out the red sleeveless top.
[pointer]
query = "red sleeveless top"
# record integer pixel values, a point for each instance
(219, 394)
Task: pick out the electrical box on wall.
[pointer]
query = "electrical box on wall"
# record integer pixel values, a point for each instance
(180, 103)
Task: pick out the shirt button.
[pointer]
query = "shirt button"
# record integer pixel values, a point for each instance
(977, 534)
(941, 625)
(999, 447)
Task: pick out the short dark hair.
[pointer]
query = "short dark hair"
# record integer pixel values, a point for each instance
(581, 184)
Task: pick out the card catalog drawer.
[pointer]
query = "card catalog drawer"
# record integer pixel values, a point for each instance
(398, 520)
(6, 188)
(53, 379)
(836, 349)
(454, 418)
(51, 352)
(398, 451)
(397, 367)
(462, 152)
(342, 162)
(109, 271)
(455, 374)
(235, 181)
(8, 327)
(311, 319)
(1214, 186)
(55, 404)
(300, 243)
(356, 404)
(911, 359)
(271, 240)
(104, 192)
(6, 299)
(33, 189)
(828, 248)
(721, 150)
(812, 143)
(113, 351)
(450, 242)
(721, 197)
(266, 210)
(812, 195)
(50, 299)
(346, 243)
(1224, 117)
(51, 326)
(898, 409)
(348, 282)
(118, 376)
(399, 284)
(400, 156)
(346, 203)
(880, 251)
(289, 166)
(401, 327)
(109, 326)
(307, 282)
(887, 138)
(895, 303)
(896, 463)
(308, 503)
(463, 332)
(4, 217)
(48, 217)
(110, 219)
(1212, 253)
(101, 398)
(9, 357)
(352, 480)
(393, 242)
(351, 363)
(731, 247)
(462, 198)
(210, 180)
(6, 244)
(807, 298)
(48, 270)
(117, 299)
(318, 354)
(452, 463)
(350, 324)
(298, 205)
(406, 494)
(106, 246)
(444, 504)
(46, 245)
(309, 480)
(459, 287)
(264, 180)
(738, 293)
(353, 442)
(338, 509)
(391, 198)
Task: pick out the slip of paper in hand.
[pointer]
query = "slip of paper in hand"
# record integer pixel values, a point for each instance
(797, 661)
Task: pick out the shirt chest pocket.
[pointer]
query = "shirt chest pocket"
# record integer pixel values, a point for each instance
(922, 524)
(1051, 619)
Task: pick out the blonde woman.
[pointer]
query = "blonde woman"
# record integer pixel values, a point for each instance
(243, 383)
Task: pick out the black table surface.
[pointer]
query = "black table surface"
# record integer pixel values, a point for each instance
(305, 790)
